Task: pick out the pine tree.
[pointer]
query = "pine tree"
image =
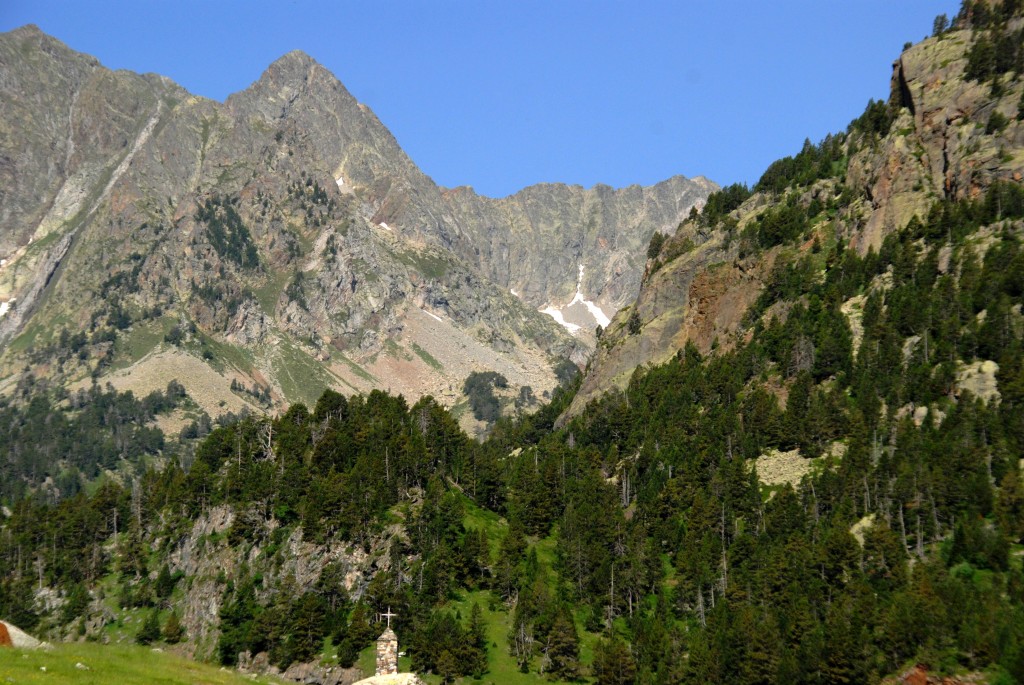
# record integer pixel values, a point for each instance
(885, 561)
(981, 59)
(306, 621)
(1010, 503)
(614, 663)
(173, 631)
(506, 572)
(133, 553)
(844, 659)
(165, 583)
(760, 637)
(563, 650)
(447, 667)
(150, 629)
(476, 641)
(236, 618)
(634, 324)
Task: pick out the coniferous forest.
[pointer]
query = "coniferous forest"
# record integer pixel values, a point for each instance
(665, 544)
(632, 542)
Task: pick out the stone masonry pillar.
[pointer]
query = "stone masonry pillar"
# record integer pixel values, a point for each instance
(387, 653)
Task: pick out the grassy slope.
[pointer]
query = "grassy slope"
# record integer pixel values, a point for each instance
(120, 664)
(501, 665)
(502, 668)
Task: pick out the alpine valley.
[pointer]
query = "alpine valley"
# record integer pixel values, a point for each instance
(269, 392)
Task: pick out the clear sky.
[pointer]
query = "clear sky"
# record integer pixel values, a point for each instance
(499, 95)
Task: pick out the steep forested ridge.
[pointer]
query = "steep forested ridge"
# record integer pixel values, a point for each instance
(626, 536)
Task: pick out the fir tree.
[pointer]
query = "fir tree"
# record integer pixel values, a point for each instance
(613, 663)
(562, 651)
(1010, 503)
(173, 631)
(149, 631)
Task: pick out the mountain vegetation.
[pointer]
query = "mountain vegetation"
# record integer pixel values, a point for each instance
(858, 308)
(69, 440)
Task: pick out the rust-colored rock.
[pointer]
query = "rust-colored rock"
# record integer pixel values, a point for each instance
(918, 675)
(5, 636)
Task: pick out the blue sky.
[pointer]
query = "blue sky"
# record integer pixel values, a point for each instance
(499, 95)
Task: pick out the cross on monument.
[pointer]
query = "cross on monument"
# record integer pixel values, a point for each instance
(387, 648)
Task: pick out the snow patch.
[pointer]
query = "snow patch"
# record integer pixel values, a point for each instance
(511, 290)
(595, 310)
(384, 226)
(592, 307)
(432, 315)
(4, 308)
(556, 314)
(340, 181)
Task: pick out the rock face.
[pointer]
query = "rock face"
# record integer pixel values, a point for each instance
(944, 150)
(312, 674)
(940, 145)
(286, 238)
(391, 679)
(918, 675)
(700, 298)
(548, 242)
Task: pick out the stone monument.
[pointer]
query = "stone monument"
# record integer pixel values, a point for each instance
(387, 649)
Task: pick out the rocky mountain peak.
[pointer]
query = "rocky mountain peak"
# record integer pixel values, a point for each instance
(288, 78)
(34, 44)
(299, 70)
(31, 31)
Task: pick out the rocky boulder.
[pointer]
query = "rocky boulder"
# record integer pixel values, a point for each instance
(392, 679)
(12, 636)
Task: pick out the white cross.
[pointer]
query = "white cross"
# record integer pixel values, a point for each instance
(388, 616)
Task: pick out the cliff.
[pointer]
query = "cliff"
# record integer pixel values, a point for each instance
(946, 138)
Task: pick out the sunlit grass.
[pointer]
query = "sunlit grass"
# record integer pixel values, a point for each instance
(112, 664)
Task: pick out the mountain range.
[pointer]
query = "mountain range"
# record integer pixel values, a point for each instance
(282, 242)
